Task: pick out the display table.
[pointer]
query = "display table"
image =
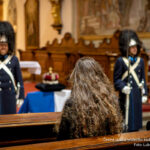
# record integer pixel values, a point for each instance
(32, 66)
(44, 101)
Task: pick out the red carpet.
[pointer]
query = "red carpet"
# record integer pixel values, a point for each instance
(29, 87)
(146, 107)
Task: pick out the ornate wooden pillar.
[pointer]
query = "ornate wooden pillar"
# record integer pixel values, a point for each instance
(1, 10)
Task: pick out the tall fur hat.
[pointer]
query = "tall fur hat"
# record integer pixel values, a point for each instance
(7, 33)
(126, 39)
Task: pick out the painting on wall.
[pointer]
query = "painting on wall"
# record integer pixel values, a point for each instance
(32, 24)
(98, 19)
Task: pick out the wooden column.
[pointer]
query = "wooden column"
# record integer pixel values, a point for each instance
(1, 10)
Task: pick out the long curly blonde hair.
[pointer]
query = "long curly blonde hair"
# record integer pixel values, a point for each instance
(93, 107)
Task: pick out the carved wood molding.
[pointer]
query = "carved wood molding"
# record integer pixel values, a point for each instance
(62, 56)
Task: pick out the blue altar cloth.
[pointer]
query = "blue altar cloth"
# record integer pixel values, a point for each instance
(38, 102)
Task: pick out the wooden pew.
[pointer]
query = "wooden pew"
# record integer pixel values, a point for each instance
(132, 140)
(18, 129)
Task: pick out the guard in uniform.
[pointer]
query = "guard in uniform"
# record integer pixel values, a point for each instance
(11, 83)
(129, 79)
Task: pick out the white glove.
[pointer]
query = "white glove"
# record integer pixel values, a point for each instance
(19, 102)
(143, 91)
(140, 85)
(126, 90)
(144, 99)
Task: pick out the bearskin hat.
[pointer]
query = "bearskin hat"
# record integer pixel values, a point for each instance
(7, 31)
(125, 37)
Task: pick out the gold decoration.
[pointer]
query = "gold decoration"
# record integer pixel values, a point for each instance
(50, 70)
(55, 11)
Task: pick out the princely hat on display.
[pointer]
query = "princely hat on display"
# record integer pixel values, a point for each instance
(50, 82)
(50, 77)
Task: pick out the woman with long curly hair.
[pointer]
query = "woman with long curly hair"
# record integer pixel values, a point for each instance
(92, 109)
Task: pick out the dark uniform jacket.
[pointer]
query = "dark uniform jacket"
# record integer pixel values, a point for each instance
(135, 102)
(8, 93)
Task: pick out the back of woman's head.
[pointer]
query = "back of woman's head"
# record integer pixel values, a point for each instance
(88, 75)
(93, 97)
(86, 67)
(89, 82)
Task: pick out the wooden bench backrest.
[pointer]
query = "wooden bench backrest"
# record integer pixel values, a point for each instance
(119, 141)
(28, 119)
(18, 129)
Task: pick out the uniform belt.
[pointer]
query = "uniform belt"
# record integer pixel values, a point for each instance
(131, 70)
(3, 65)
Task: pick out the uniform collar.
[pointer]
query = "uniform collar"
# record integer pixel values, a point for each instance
(3, 57)
(132, 59)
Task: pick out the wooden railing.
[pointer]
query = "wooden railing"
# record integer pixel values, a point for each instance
(132, 140)
(18, 129)
(35, 131)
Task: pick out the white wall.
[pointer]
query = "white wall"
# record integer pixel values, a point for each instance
(47, 32)
(20, 32)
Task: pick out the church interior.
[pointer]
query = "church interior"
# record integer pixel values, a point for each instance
(51, 35)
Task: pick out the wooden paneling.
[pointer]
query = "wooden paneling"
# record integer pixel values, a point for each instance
(63, 56)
